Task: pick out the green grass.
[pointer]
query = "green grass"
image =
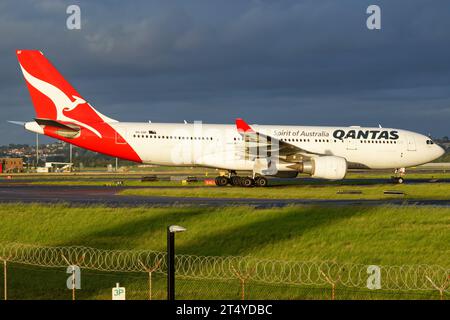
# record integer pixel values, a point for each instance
(367, 182)
(411, 174)
(411, 191)
(385, 235)
(369, 235)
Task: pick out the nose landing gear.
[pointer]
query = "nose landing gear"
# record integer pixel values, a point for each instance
(398, 180)
(399, 176)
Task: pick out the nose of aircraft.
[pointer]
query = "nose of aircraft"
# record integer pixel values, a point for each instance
(439, 151)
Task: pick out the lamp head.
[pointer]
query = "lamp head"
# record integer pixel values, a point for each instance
(174, 229)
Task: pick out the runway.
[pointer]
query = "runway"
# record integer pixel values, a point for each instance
(88, 195)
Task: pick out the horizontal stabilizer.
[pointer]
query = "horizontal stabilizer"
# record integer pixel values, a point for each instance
(65, 130)
(19, 123)
(57, 124)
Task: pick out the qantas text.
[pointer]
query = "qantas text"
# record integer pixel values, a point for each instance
(366, 134)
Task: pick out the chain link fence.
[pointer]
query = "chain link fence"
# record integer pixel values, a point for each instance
(36, 272)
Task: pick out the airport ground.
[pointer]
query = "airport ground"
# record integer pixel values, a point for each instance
(302, 220)
(385, 234)
(372, 187)
(382, 235)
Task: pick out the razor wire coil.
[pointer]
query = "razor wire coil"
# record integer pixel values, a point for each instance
(308, 273)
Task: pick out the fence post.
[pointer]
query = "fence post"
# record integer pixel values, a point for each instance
(73, 277)
(78, 262)
(333, 285)
(442, 288)
(150, 272)
(242, 278)
(5, 275)
(5, 282)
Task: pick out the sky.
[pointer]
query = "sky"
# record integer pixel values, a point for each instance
(269, 62)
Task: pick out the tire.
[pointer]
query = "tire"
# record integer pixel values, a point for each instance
(398, 180)
(247, 182)
(235, 180)
(261, 182)
(221, 181)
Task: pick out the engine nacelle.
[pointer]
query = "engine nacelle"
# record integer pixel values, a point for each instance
(325, 167)
(329, 167)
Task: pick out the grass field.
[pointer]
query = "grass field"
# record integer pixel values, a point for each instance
(437, 191)
(385, 235)
(376, 235)
(370, 185)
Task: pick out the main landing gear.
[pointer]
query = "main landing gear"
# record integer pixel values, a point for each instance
(260, 181)
(399, 176)
(234, 180)
(221, 181)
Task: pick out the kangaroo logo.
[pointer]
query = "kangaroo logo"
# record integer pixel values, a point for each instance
(61, 101)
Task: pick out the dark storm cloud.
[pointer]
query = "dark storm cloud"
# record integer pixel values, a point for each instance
(287, 62)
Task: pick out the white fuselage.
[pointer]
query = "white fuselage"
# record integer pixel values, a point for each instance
(220, 146)
(323, 152)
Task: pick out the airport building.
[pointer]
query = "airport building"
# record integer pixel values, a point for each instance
(8, 165)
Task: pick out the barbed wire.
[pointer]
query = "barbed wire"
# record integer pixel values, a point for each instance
(309, 273)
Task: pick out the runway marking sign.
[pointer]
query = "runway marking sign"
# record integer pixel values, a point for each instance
(118, 293)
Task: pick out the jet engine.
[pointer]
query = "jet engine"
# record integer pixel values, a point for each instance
(325, 167)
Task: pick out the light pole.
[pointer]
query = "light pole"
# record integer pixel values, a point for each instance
(37, 149)
(171, 230)
(70, 152)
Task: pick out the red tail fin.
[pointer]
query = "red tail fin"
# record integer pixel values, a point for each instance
(62, 113)
(52, 95)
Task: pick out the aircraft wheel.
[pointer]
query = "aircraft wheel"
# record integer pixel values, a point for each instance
(235, 180)
(247, 182)
(261, 182)
(398, 180)
(221, 181)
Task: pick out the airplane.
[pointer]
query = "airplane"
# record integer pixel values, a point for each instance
(264, 150)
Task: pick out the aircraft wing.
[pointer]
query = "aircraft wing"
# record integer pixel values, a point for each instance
(260, 145)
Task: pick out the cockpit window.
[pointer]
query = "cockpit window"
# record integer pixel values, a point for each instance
(430, 141)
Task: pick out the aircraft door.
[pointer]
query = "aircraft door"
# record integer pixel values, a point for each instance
(411, 143)
(351, 144)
